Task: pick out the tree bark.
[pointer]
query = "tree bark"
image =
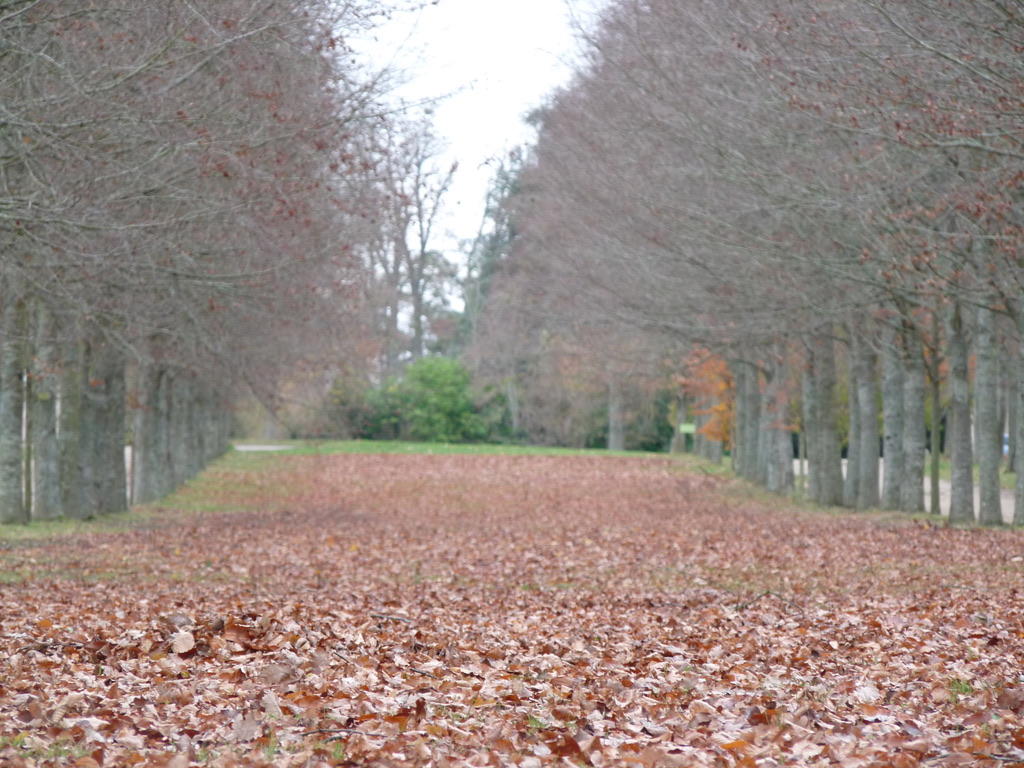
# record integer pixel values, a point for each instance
(69, 432)
(152, 473)
(866, 364)
(825, 454)
(1013, 386)
(740, 448)
(935, 438)
(12, 403)
(46, 500)
(778, 460)
(104, 484)
(1018, 427)
(616, 421)
(961, 509)
(810, 432)
(892, 417)
(988, 428)
(851, 480)
(755, 469)
(748, 419)
(911, 480)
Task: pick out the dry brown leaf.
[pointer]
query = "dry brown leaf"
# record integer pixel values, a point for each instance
(183, 642)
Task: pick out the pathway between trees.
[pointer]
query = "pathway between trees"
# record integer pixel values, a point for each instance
(456, 610)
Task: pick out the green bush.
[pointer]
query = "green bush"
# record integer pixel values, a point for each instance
(438, 403)
(430, 403)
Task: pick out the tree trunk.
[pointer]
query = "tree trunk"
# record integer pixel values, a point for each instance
(392, 338)
(765, 448)
(1013, 386)
(12, 404)
(103, 431)
(69, 432)
(852, 479)
(616, 421)
(778, 460)
(802, 460)
(740, 448)
(418, 346)
(892, 417)
(935, 397)
(748, 419)
(512, 398)
(961, 509)
(824, 455)
(714, 451)
(865, 365)
(911, 480)
(179, 430)
(810, 432)
(1018, 427)
(755, 468)
(988, 429)
(151, 465)
(46, 500)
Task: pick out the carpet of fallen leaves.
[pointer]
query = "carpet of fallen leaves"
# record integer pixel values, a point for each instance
(516, 610)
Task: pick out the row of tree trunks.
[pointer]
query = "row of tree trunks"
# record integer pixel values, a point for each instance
(181, 427)
(64, 415)
(889, 366)
(763, 439)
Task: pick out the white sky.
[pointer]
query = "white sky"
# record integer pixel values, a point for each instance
(498, 59)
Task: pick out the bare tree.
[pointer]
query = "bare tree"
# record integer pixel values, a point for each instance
(173, 188)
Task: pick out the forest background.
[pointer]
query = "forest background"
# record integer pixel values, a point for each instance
(795, 226)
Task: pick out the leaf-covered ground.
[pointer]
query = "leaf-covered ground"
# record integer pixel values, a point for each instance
(516, 610)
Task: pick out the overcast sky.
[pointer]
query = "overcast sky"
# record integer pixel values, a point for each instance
(498, 59)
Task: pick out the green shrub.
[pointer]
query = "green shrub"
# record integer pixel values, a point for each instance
(439, 406)
(432, 402)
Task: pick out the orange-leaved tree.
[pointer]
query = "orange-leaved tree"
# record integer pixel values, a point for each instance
(709, 385)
